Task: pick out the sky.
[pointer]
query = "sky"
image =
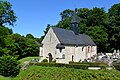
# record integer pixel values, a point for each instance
(34, 15)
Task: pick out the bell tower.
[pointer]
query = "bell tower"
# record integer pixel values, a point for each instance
(74, 22)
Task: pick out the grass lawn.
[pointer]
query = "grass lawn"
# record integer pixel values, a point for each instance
(55, 73)
(5, 78)
(27, 59)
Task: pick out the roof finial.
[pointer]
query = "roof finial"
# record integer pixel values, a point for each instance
(74, 16)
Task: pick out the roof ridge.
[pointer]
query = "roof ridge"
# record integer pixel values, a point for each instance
(61, 28)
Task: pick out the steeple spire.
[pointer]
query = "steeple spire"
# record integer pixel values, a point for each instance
(74, 22)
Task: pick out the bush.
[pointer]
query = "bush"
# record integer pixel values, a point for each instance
(117, 66)
(54, 61)
(9, 66)
(45, 60)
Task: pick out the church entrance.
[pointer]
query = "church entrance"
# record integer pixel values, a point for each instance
(50, 57)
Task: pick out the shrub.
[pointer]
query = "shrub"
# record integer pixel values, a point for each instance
(54, 61)
(117, 66)
(9, 66)
(45, 60)
(72, 62)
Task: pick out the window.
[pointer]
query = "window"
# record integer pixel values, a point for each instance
(88, 49)
(63, 56)
(91, 49)
(60, 50)
(82, 48)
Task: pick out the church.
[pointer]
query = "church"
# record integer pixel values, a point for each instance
(64, 45)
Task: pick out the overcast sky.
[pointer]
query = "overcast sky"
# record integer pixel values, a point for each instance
(34, 15)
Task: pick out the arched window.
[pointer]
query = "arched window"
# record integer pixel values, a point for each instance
(60, 50)
(50, 57)
(63, 56)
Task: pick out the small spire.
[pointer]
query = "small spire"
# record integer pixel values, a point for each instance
(74, 16)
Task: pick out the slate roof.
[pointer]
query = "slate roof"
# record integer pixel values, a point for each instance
(67, 37)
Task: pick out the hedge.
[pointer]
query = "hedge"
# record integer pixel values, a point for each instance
(76, 66)
(91, 64)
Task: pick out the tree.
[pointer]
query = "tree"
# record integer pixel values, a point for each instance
(83, 14)
(9, 66)
(11, 46)
(65, 24)
(32, 48)
(66, 19)
(30, 36)
(5, 31)
(97, 17)
(114, 26)
(66, 13)
(99, 36)
(19, 46)
(7, 15)
(91, 17)
(1, 51)
(14, 44)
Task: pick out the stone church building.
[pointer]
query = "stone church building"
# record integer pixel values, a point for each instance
(67, 45)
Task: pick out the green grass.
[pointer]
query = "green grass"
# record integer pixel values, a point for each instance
(5, 78)
(27, 59)
(55, 73)
(61, 73)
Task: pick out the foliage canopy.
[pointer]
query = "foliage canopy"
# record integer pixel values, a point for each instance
(7, 15)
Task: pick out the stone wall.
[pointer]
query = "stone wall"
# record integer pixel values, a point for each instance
(49, 45)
